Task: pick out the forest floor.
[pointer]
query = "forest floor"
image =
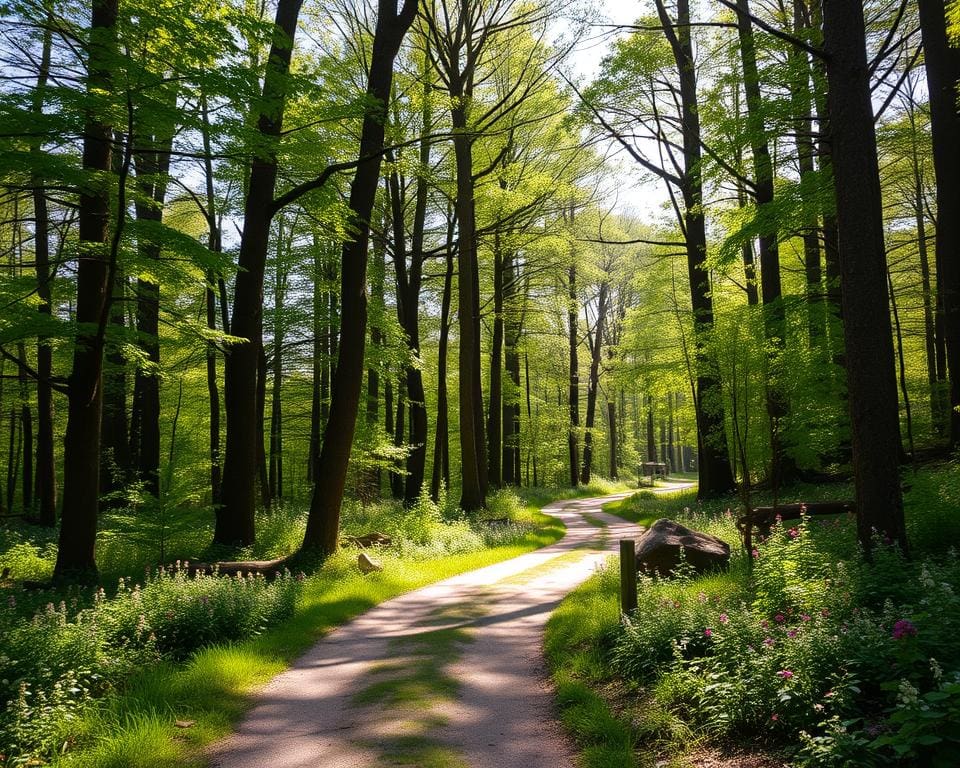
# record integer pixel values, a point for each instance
(450, 675)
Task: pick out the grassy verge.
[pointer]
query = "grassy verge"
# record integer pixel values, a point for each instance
(811, 655)
(142, 726)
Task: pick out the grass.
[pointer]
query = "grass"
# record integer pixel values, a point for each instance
(137, 728)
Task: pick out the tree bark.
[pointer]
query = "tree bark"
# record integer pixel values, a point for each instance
(573, 436)
(871, 380)
(942, 63)
(46, 463)
(715, 475)
(441, 447)
(593, 385)
(81, 474)
(323, 523)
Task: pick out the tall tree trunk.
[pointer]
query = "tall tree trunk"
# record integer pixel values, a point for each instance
(715, 475)
(613, 436)
(871, 380)
(114, 454)
(263, 479)
(800, 100)
(46, 464)
(942, 63)
(573, 436)
(235, 518)
(472, 443)
(441, 450)
(323, 523)
(26, 432)
(494, 416)
(771, 292)
(81, 473)
(651, 436)
(593, 385)
(533, 444)
(513, 324)
(214, 243)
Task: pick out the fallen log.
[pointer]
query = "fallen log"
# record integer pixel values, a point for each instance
(763, 518)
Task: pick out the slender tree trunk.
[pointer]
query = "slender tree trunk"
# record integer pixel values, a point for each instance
(81, 475)
(511, 406)
(613, 436)
(533, 444)
(593, 385)
(323, 523)
(715, 475)
(441, 451)
(472, 443)
(214, 243)
(114, 455)
(800, 99)
(46, 463)
(942, 64)
(573, 436)
(263, 479)
(651, 437)
(494, 416)
(871, 380)
(26, 432)
(235, 518)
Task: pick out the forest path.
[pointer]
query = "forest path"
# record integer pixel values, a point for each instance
(448, 676)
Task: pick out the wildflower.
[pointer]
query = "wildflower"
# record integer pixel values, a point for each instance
(791, 633)
(755, 554)
(936, 670)
(708, 632)
(724, 619)
(775, 717)
(786, 674)
(768, 642)
(765, 624)
(805, 617)
(793, 533)
(903, 628)
(907, 694)
(779, 618)
(702, 597)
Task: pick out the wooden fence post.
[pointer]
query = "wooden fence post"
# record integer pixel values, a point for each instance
(628, 575)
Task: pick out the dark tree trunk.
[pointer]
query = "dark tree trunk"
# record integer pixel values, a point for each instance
(715, 475)
(593, 385)
(152, 165)
(942, 63)
(612, 429)
(494, 416)
(26, 432)
(235, 518)
(46, 465)
(533, 445)
(263, 479)
(871, 380)
(114, 450)
(81, 473)
(651, 435)
(573, 437)
(472, 442)
(441, 450)
(214, 243)
(323, 523)
(513, 325)
(800, 99)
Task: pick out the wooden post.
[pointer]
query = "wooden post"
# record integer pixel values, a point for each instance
(628, 575)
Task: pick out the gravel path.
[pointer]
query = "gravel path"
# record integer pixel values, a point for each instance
(451, 675)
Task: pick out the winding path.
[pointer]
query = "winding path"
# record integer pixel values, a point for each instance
(448, 676)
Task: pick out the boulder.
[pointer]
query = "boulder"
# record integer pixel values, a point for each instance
(659, 548)
(367, 564)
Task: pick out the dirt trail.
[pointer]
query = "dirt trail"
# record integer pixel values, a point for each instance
(451, 675)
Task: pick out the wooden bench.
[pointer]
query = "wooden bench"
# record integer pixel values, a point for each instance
(653, 470)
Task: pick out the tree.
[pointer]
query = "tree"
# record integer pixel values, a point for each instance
(871, 381)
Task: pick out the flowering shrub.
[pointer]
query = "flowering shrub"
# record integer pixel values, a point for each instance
(831, 657)
(66, 655)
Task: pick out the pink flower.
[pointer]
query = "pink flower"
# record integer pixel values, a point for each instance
(724, 618)
(708, 632)
(791, 633)
(774, 717)
(768, 642)
(779, 618)
(786, 674)
(805, 617)
(903, 628)
(793, 533)
(755, 554)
